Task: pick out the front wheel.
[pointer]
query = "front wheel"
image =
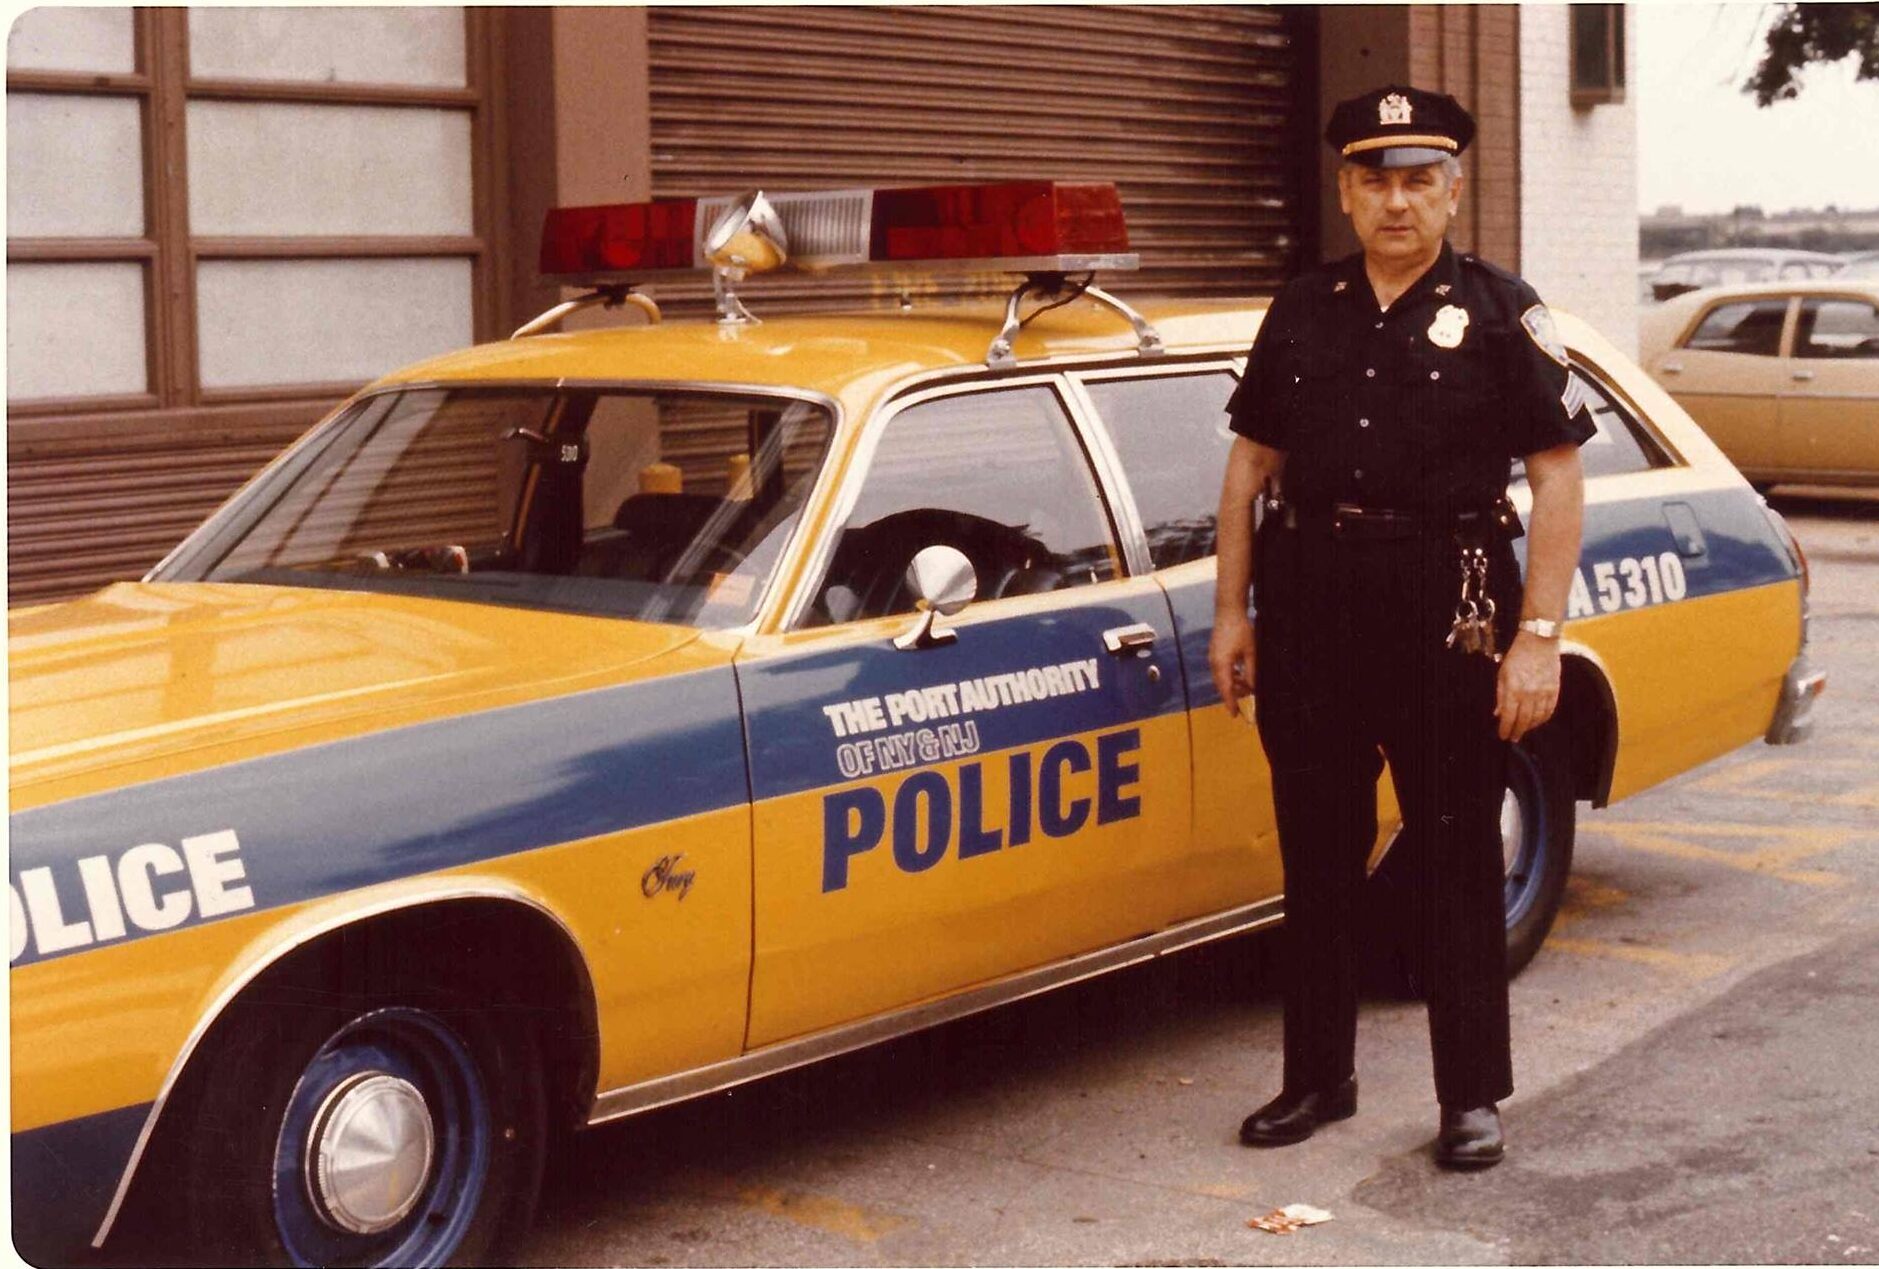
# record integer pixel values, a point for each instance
(1538, 822)
(402, 1129)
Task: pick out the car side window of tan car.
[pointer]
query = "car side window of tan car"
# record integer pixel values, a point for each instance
(1841, 329)
(1752, 327)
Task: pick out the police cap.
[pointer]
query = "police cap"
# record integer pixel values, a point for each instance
(1394, 126)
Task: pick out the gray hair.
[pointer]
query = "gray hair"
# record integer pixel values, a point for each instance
(1450, 165)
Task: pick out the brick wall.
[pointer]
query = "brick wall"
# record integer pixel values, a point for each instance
(1471, 52)
(1578, 182)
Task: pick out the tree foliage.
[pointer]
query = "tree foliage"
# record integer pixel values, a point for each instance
(1806, 33)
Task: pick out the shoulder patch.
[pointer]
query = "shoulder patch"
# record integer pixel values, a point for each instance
(1539, 323)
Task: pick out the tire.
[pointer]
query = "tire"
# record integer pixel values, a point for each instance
(1538, 823)
(301, 1069)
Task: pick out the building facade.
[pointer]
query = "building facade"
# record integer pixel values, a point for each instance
(220, 221)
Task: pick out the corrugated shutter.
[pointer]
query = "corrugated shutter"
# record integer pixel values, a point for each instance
(90, 506)
(1189, 109)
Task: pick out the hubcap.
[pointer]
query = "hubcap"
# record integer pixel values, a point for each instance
(1513, 831)
(370, 1152)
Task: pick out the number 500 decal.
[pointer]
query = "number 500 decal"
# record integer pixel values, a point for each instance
(1632, 582)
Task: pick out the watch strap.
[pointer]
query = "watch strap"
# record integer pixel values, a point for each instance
(1540, 626)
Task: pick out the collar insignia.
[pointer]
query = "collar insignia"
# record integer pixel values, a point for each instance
(1393, 109)
(1443, 289)
(1338, 286)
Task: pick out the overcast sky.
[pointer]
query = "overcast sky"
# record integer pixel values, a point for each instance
(1706, 145)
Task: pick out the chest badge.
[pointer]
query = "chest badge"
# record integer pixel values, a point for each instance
(1450, 324)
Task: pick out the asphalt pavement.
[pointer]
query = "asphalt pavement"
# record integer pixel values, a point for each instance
(1696, 1049)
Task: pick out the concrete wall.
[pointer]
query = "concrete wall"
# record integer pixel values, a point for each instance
(1579, 182)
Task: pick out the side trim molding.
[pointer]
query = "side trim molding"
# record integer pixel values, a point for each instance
(788, 1054)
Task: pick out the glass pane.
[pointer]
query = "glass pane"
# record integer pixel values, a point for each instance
(1171, 432)
(1591, 61)
(336, 45)
(1838, 328)
(80, 39)
(56, 189)
(998, 475)
(1615, 446)
(75, 330)
(536, 498)
(326, 321)
(1743, 328)
(313, 169)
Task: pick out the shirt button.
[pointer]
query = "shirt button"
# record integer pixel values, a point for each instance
(1370, 374)
(1363, 422)
(1435, 374)
(1379, 325)
(1359, 473)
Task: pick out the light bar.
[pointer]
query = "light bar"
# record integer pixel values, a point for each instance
(1015, 226)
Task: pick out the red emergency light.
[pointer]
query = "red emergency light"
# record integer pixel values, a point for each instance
(1019, 226)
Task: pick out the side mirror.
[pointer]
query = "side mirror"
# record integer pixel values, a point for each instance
(943, 582)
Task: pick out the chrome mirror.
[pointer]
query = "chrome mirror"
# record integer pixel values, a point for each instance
(943, 583)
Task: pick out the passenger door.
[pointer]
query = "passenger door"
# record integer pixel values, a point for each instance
(1833, 395)
(1730, 376)
(1169, 431)
(930, 819)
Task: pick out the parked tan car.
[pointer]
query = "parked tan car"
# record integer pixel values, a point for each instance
(1783, 376)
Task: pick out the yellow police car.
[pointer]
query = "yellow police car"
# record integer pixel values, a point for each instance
(580, 723)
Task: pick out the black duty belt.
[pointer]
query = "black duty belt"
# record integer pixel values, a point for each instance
(1349, 520)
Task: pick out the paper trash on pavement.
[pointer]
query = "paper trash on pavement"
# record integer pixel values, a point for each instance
(1293, 1216)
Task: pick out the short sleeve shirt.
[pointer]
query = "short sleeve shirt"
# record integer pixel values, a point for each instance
(1420, 407)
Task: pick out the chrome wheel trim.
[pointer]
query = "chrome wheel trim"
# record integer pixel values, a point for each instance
(1513, 832)
(369, 1157)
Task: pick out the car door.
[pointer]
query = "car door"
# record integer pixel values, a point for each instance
(1168, 428)
(1728, 373)
(931, 818)
(1832, 399)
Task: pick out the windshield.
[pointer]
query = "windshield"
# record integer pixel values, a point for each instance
(668, 507)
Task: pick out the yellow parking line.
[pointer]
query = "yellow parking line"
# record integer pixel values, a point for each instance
(802, 1207)
(1797, 844)
(1691, 964)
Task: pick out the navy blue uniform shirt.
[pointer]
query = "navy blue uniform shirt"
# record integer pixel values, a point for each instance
(1420, 407)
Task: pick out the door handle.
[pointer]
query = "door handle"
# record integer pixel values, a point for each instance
(1124, 640)
(1672, 367)
(1802, 376)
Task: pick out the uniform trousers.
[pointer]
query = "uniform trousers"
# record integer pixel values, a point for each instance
(1350, 670)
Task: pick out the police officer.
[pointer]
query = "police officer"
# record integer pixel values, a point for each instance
(1382, 403)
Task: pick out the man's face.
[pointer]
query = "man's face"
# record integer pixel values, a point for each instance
(1399, 213)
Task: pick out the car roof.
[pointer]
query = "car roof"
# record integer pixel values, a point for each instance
(1833, 285)
(839, 354)
(1776, 254)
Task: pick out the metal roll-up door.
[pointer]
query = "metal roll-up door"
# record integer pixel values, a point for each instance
(1191, 110)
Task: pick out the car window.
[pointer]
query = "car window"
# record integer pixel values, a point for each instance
(1837, 328)
(669, 507)
(1171, 434)
(999, 475)
(1619, 443)
(1752, 326)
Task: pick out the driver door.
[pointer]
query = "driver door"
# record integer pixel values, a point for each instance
(930, 819)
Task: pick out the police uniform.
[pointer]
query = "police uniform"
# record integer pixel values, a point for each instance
(1398, 427)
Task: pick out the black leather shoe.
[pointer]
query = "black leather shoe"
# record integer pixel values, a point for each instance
(1470, 1139)
(1292, 1117)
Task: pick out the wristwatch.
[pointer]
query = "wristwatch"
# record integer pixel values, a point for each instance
(1542, 627)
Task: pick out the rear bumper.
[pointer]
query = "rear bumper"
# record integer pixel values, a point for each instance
(1794, 714)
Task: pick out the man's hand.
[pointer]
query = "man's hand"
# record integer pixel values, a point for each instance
(1527, 691)
(1230, 656)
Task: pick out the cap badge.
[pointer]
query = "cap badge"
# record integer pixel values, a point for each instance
(1393, 109)
(1448, 327)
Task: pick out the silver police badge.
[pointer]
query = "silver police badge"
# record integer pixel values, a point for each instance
(1450, 324)
(1539, 323)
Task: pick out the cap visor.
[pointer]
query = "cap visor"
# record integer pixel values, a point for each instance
(1400, 156)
